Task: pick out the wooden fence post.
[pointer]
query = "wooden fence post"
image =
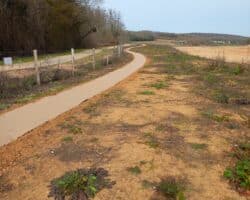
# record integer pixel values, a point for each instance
(107, 60)
(94, 61)
(73, 61)
(38, 80)
(59, 63)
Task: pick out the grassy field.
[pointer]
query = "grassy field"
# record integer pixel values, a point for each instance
(178, 129)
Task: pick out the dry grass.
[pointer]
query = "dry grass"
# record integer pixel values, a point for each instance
(236, 54)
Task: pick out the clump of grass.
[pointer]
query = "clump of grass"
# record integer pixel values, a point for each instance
(26, 99)
(210, 78)
(160, 127)
(159, 85)
(94, 140)
(216, 117)
(151, 140)
(147, 92)
(80, 184)
(72, 128)
(143, 162)
(4, 106)
(134, 170)
(221, 97)
(147, 184)
(237, 70)
(171, 189)
(239, 174)
(91, 109)
(67, 139)
(198, 146)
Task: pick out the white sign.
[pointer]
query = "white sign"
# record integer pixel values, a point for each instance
(7, 61)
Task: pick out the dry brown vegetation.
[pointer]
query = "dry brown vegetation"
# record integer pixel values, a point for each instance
(165, 133)
(236, 54)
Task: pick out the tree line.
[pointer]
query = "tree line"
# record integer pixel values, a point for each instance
(56, 25)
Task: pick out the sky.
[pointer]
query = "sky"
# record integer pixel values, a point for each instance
(185, 16)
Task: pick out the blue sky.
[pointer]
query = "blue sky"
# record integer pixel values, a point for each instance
(182, 16)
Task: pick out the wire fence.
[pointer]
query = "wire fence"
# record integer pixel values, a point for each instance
(50, 70)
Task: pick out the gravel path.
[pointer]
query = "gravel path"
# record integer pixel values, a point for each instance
(15, 123)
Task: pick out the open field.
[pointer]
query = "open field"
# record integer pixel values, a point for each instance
(168, 132)
(236, 54)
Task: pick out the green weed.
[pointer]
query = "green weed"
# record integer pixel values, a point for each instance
(198, 146)
(147, 92)
(134, 170)
(67, 139)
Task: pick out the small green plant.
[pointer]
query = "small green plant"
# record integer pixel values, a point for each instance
(171, 189)
(80, 184)
(67, 139)
(134, 170)
(198, 146)
(147, 92)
